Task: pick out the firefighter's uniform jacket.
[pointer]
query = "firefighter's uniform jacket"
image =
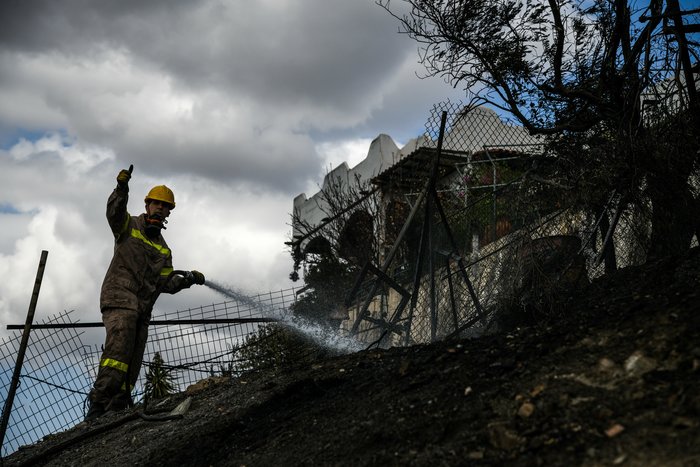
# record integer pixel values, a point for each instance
(140, 270)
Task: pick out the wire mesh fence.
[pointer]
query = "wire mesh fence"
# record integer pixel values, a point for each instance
(473, 239)
(52, 385)
(59, 368)
(495, 238)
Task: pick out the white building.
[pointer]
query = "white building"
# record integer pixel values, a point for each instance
(479, 129)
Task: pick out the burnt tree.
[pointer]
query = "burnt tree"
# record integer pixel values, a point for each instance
(591, 72)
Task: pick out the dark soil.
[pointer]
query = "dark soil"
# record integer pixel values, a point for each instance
(615, 381)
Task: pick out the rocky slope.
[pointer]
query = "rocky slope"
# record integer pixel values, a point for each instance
(615, 381)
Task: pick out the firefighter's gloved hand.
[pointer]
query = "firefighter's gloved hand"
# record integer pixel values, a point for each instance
(124, 177)
(195, 277)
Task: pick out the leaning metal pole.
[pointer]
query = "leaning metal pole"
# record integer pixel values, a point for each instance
(22, 348)
(385, 265)
(426, 243)
(429, 218)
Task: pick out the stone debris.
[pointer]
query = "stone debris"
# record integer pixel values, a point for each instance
(638, 364)
(614, 430)
(526, 410)
(537, 390)
(205, 383)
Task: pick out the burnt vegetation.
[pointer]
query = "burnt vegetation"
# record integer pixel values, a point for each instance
(610, 93)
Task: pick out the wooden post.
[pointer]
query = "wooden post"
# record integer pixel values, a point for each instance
(22, 348)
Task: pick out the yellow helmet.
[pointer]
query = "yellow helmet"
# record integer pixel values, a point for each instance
(161, 193)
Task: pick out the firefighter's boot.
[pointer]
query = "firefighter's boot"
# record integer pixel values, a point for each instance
(96, 410)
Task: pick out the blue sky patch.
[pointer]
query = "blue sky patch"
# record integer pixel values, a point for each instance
(7, 208)
(10, 137)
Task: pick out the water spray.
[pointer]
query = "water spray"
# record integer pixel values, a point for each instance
(323, 336)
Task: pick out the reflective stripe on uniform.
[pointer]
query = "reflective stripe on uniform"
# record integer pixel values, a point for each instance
(166, 271)
(116, 364)
(136, 233)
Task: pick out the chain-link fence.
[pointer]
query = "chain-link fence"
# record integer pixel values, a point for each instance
(474, 237)
(59, 369)
(484, 237)
(52, 385)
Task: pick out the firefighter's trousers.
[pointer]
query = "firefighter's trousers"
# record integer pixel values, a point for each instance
(127, 332)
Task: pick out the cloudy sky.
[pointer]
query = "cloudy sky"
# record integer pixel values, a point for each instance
(237, 106)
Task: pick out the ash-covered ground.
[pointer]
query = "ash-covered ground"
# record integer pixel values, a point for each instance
(614, 381)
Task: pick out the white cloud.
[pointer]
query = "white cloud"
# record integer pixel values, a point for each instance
(238, 107)
(335, 153)
(77, 157)
(232, 234)
(71, 277)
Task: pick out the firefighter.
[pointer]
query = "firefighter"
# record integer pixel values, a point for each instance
(140, 270)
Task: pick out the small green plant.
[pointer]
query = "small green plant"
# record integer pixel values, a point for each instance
(159, 381)
(276, 346)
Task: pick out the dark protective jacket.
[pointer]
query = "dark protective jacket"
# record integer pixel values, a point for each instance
(141, 267)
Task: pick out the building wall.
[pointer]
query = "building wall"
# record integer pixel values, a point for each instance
(474, 131)
(382, 154)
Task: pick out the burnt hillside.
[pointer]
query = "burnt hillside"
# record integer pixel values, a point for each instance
(614, 381)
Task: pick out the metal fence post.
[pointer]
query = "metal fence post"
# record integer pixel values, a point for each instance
(22, 348)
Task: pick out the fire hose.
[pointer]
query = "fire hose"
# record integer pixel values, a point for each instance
(176, 414)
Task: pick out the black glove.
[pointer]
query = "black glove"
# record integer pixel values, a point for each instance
(124, 177)
(195, 277)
